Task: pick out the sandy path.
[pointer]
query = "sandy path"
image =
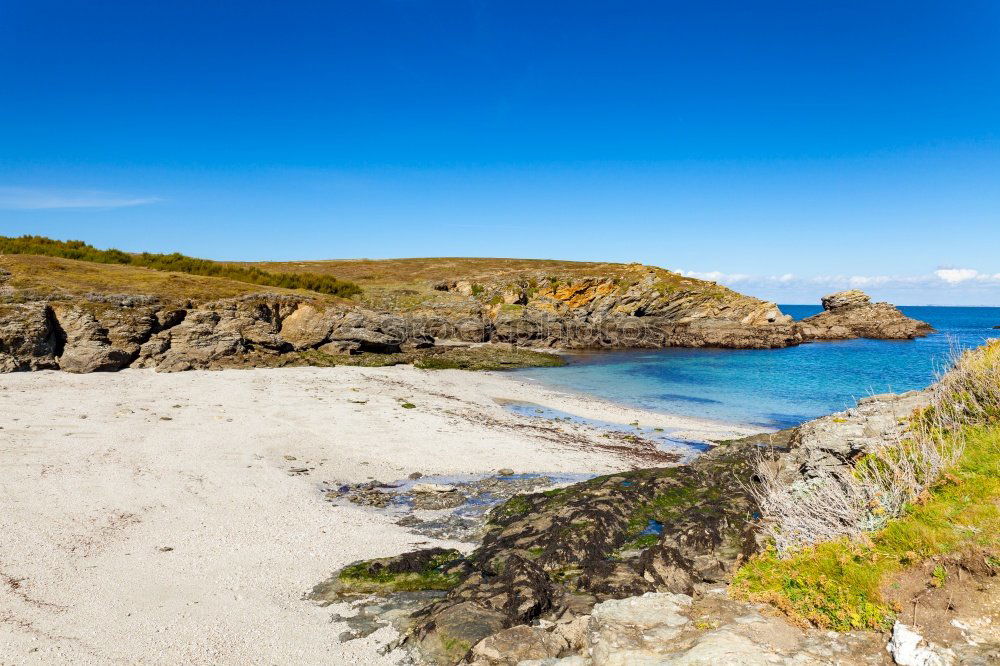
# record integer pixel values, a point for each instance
(151, 518)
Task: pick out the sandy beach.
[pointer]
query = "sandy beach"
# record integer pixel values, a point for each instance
(153, 518)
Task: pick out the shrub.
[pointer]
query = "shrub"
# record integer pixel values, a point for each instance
(179, 263)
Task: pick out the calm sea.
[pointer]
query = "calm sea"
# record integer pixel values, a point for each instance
(774, 387)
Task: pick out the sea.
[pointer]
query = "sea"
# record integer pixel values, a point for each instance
(774, 388)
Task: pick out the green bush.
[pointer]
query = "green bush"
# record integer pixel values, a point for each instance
(179, 263)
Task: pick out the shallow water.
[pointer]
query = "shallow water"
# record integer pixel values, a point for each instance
(685, 448)
(774, 388)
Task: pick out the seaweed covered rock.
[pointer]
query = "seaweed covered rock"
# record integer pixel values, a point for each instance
(483, 604)
(431, 569)
(552, 555)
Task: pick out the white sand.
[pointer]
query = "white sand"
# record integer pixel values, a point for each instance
(100, 472)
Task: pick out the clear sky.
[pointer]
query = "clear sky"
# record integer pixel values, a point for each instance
(784, 148)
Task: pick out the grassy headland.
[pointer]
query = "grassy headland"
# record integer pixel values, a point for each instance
(842, 584)
(177, 263)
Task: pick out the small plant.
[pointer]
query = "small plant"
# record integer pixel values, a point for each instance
(407, 405)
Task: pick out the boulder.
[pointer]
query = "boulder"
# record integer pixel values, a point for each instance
(630, 631)
(367, 340)
(307, 326)
(845, 300)
(340, 347)
(101, 340)
(515, 645)
(457, 629)
(482, 605)
(665, 567)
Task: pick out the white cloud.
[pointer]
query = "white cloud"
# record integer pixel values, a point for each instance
(26, 198)
(957, 275)
(941, 278)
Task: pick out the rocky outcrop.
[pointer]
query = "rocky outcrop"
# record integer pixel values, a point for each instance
(831, 443)
(851, 314)
(100, 339)
(640, 545)
(28, 338)
(640, 307)
(96, 335)
(675, 629)
(548, 557)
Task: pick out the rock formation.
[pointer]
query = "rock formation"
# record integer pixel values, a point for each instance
(851, 314)
(622, 306)
(615, 570)
(552, 555)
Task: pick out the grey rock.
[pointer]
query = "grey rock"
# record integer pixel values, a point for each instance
(514, 645)
(830, 443)
(28, 337)
(623, 632)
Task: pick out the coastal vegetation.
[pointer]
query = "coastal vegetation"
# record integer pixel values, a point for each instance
(177, 263)
(934, 493)
(506, 284)
(34, 277)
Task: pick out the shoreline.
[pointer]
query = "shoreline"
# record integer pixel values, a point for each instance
(143, 507)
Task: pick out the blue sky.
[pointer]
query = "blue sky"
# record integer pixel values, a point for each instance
(784, 148)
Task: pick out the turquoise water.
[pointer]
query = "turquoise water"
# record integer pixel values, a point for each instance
(774, 388)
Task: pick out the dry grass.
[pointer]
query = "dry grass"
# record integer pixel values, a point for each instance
(416, 270)
(855, 501)
(932, 491)
(406, 284)
(52, 277)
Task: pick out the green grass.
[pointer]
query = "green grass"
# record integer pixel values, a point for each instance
(177, 263)
(839, 584)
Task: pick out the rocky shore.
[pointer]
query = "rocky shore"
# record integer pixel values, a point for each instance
(652, 308)
(632, 567)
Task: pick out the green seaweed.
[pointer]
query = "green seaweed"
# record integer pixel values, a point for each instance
(375, 577)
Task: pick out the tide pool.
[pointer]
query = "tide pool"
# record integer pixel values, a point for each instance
(774, 388)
